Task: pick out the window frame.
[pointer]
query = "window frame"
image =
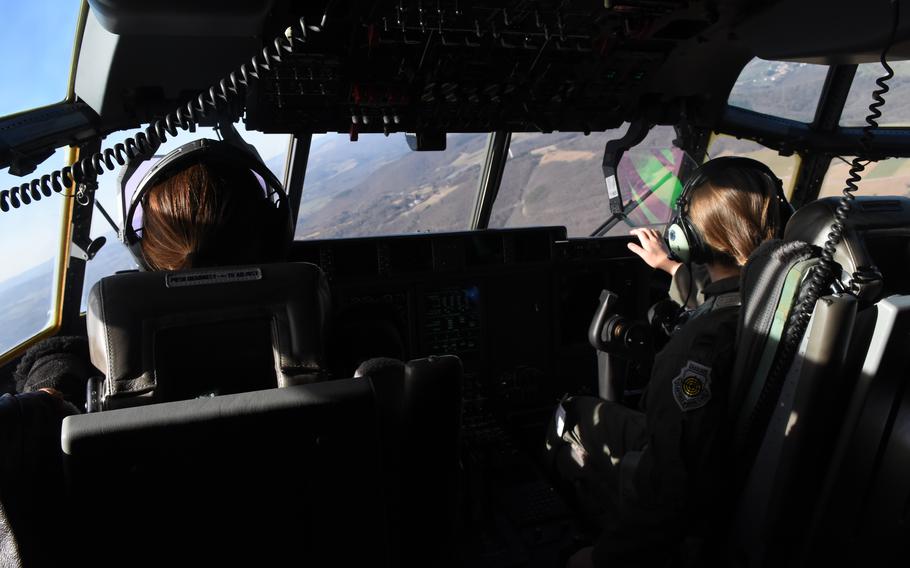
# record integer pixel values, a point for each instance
(70, 94)
(61, 267)
(819, 141)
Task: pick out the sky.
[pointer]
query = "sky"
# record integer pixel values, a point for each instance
(37, 40)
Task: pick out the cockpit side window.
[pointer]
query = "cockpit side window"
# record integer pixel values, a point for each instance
(32, 264)
(35, 236)
(378, 186)
(554, 179)
(885, 177)
(784, 167)
(557, 179)
(780, 89)
(897, 109)
(45, 30)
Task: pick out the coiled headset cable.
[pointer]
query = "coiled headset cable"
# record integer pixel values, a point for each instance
(823, 274)
(146, 142)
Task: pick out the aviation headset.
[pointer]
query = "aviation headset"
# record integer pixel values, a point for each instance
(205, 151)
(683, 238)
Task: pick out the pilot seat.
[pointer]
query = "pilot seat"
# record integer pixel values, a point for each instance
(164, 336)
(796, 397)
(231, 451)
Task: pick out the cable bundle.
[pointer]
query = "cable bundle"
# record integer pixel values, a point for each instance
(145, 143)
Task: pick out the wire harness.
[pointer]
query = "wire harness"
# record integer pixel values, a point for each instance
(144, 143)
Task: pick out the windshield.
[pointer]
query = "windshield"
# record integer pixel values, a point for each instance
(45, 30)
(29, 261)
(38, 39)
(379, 186)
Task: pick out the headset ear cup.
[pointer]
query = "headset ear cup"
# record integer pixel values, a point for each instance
(678, 241)
(698, 251)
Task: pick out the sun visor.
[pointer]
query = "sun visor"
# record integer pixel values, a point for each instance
(182, 17)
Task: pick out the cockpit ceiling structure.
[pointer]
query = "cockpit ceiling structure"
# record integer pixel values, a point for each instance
(437, 66)
(455, 65)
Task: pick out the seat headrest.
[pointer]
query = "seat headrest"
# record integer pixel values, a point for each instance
(770, 285)
(146, 326)
(870, 215)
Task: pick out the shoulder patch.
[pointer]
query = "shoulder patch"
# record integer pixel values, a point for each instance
(692, 387)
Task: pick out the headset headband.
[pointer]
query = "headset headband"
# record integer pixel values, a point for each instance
(203, 150)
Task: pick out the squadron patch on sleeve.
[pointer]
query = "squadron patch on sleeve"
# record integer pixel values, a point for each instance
(692, 387)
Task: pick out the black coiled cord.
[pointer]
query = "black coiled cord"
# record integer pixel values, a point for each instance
(145, 143)
(824, 272)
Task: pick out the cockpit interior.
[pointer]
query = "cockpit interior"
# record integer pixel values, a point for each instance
(461, 179)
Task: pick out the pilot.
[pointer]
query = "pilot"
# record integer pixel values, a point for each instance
(201, 205)
(210, 212)
(656, 475)
(206, 203)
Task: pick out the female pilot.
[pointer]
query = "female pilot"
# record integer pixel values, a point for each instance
(206, 203)
(204, 206)
(655, 474)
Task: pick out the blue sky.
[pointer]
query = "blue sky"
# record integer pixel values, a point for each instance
(37, 40)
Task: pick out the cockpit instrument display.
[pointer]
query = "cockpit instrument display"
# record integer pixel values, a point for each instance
(452, 320)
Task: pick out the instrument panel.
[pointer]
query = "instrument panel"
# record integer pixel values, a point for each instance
(502, 300)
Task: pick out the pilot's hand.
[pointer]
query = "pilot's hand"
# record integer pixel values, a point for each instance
(53, 392)
(653, 250)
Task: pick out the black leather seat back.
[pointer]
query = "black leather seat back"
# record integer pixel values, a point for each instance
(875, 250)
(861, 517)
(783, 482)
(276, 472)
(161, 336)
(793, 441)
(321, 474)
(422, 402)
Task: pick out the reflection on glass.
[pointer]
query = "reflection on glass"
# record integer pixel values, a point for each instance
(648, 177)
(896, 111)
(886, 177)
(31, 237)
(378, 186)
(114, 256)
(554, 179)
(784, 167)
(779, 88)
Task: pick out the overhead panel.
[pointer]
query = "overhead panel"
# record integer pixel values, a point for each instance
(580, 65)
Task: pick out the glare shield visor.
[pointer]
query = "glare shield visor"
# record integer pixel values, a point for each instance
(138, 178)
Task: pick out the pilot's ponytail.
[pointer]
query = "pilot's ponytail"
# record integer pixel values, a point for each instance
(207, 215)
(735, 211)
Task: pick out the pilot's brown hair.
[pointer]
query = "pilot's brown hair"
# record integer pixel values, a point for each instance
(208, 215)
(735, 210)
